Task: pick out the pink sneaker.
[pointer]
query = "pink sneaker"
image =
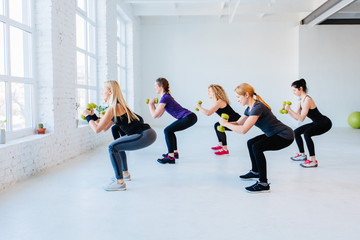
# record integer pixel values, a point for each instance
(222, 152)
(216, 148)
(309, 164)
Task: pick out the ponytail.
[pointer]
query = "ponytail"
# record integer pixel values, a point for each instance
(300, 83)
(247, 88)
(164, 83)
(258, 98)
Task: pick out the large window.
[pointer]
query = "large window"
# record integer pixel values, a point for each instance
(124, 55)
(87, 83)
(16, 75)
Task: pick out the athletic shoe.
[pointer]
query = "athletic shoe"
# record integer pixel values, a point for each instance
(176, 155)
(115, 186)
(258, 187)
(309, 164)
(298, 157)
(126, 177)
(166, 159)
(216, 148)
(222, 152)
(249, 175)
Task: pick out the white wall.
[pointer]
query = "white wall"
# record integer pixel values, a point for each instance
(330, 63)
(192, 56)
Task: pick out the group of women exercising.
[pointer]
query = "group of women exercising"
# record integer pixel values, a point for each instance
(131, 133)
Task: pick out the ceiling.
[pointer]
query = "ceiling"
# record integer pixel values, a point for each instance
(237, 10)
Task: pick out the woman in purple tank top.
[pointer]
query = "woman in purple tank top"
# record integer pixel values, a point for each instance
(185, 118)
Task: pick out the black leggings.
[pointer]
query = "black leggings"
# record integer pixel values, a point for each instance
(221, 135)
(309, 130)
(258, 145)
(178, 125)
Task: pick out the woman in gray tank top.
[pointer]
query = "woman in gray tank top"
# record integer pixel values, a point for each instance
(276, 134)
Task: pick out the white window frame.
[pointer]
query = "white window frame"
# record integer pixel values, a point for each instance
(85, 16)
(8, 79)
(127, 66)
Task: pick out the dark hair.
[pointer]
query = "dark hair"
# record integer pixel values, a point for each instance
(300, 83)
(164, 83)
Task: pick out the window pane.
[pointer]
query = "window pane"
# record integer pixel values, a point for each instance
(118, 28)
(93, 96)
(118, 53)
(122, 80)
(80, 61)
(122, 55)
(91, 9)
(81, 4)
(2, 49)
(92, 71)
(80, 32)
(122, 32)
(21, 106)
(19, 10)
(20, 53)
(2, 101)
(81, 100)
(91, 38)
(1, 7)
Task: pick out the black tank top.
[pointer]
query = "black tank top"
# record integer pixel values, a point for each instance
(133, 127)
(314, 114)
(233, 116)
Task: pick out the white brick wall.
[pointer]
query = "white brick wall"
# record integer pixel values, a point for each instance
(55, 61)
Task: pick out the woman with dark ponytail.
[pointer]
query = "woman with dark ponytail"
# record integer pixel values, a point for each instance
(321, 124)
(277, 135)
(185, 118)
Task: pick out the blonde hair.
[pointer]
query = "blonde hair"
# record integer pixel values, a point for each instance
(244, 88)
(219, 93)
(117, 97)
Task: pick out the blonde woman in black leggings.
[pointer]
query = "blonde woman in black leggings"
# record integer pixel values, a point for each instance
(220, 105)
(320, 125)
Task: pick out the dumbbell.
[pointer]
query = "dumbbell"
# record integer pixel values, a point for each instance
(199, 102)
(156, 101)
(283, 110)
(89, 106)
(222, 128)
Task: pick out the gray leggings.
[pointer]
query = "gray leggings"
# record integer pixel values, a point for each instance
(128, 143)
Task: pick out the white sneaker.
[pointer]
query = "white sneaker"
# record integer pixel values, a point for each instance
(299, 157)
(126, 177)
(115, 186)
(309, 164)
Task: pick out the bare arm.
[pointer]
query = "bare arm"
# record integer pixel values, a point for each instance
(208, 112)
(241, 120)
(103, 123)
(156, 112)
(249, 122)
(301, 111)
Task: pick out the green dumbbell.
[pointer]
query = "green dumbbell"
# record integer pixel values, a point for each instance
(222, 128)
(156, 101)
(199, 102)
(89, 106)
(283, 110)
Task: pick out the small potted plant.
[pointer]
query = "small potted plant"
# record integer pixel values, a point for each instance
(2, 132)
(101, 110)
(41, 129)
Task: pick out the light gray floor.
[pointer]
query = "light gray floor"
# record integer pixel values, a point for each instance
(200, 197)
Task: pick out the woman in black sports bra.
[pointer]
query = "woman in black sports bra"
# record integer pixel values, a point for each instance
(220, 105)
(321, 124)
